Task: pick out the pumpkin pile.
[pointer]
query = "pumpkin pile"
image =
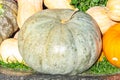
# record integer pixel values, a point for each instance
(108, 19)
(57, 38)
(8, 27)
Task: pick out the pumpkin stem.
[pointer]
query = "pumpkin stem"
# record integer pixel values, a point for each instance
(63, 21)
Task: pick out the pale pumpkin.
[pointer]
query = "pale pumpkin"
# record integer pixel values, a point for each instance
(9, 51)
(100, 14)
(114, 9)
(26, 8)
(60, 41)
(111, 45)
(8, 16)
(58, 4)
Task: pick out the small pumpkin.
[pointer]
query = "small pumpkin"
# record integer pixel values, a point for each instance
(58, 4)
(111, 45)
(60, 41)
(114, 9)
(26, 8)
(9, 51)
(100, 14)
(8, 22)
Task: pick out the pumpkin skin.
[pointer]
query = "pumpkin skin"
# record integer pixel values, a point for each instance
(50, 44)
(111, 45)
(113, 9)
(8, 22)
(9, 51)
(25, 10)
(58, 4)
(10, 3)
(103, 19)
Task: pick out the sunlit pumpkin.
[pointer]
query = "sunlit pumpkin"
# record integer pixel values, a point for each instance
(100, 14)
(114, 9)
(27, 8)
(60, 41)
(111, 45)
(9, 51)
(58, 4)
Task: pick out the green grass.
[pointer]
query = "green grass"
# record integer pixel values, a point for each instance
(83, 5)
(99, 68)
(15, 66)
(103, 67)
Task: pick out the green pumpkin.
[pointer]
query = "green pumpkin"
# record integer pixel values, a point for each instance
(8, 21)
(60, 41)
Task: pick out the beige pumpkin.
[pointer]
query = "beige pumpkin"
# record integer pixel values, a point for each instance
(100, 14)
(114, 9)
(9, 51)
(64, 4)
(26, 8)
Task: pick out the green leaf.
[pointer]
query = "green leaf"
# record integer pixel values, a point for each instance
(84, 5)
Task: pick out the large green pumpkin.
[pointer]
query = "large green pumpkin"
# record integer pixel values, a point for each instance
(60, 41)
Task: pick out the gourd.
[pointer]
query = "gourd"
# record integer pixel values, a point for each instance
(100, 14)
(9, 51)
(58, 4)
(60, 41)
(8, 22)
(114, 9)
(27, 8)
(111, 45)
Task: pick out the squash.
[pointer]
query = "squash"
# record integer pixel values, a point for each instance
(27, 8)
(111, 45)
(114, 9)
(100, 14)
(58, 4)
(60, 41)
(9, 51)
(8, 21)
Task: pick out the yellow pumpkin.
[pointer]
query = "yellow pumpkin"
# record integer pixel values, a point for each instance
(100, 15)
(64, 4)
(26, 8)
(111, 45)
(114, 9)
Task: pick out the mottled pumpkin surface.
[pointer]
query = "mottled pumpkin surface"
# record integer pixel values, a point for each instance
(8, 14)
(54, 42)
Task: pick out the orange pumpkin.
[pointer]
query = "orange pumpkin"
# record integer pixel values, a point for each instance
(111, 44)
